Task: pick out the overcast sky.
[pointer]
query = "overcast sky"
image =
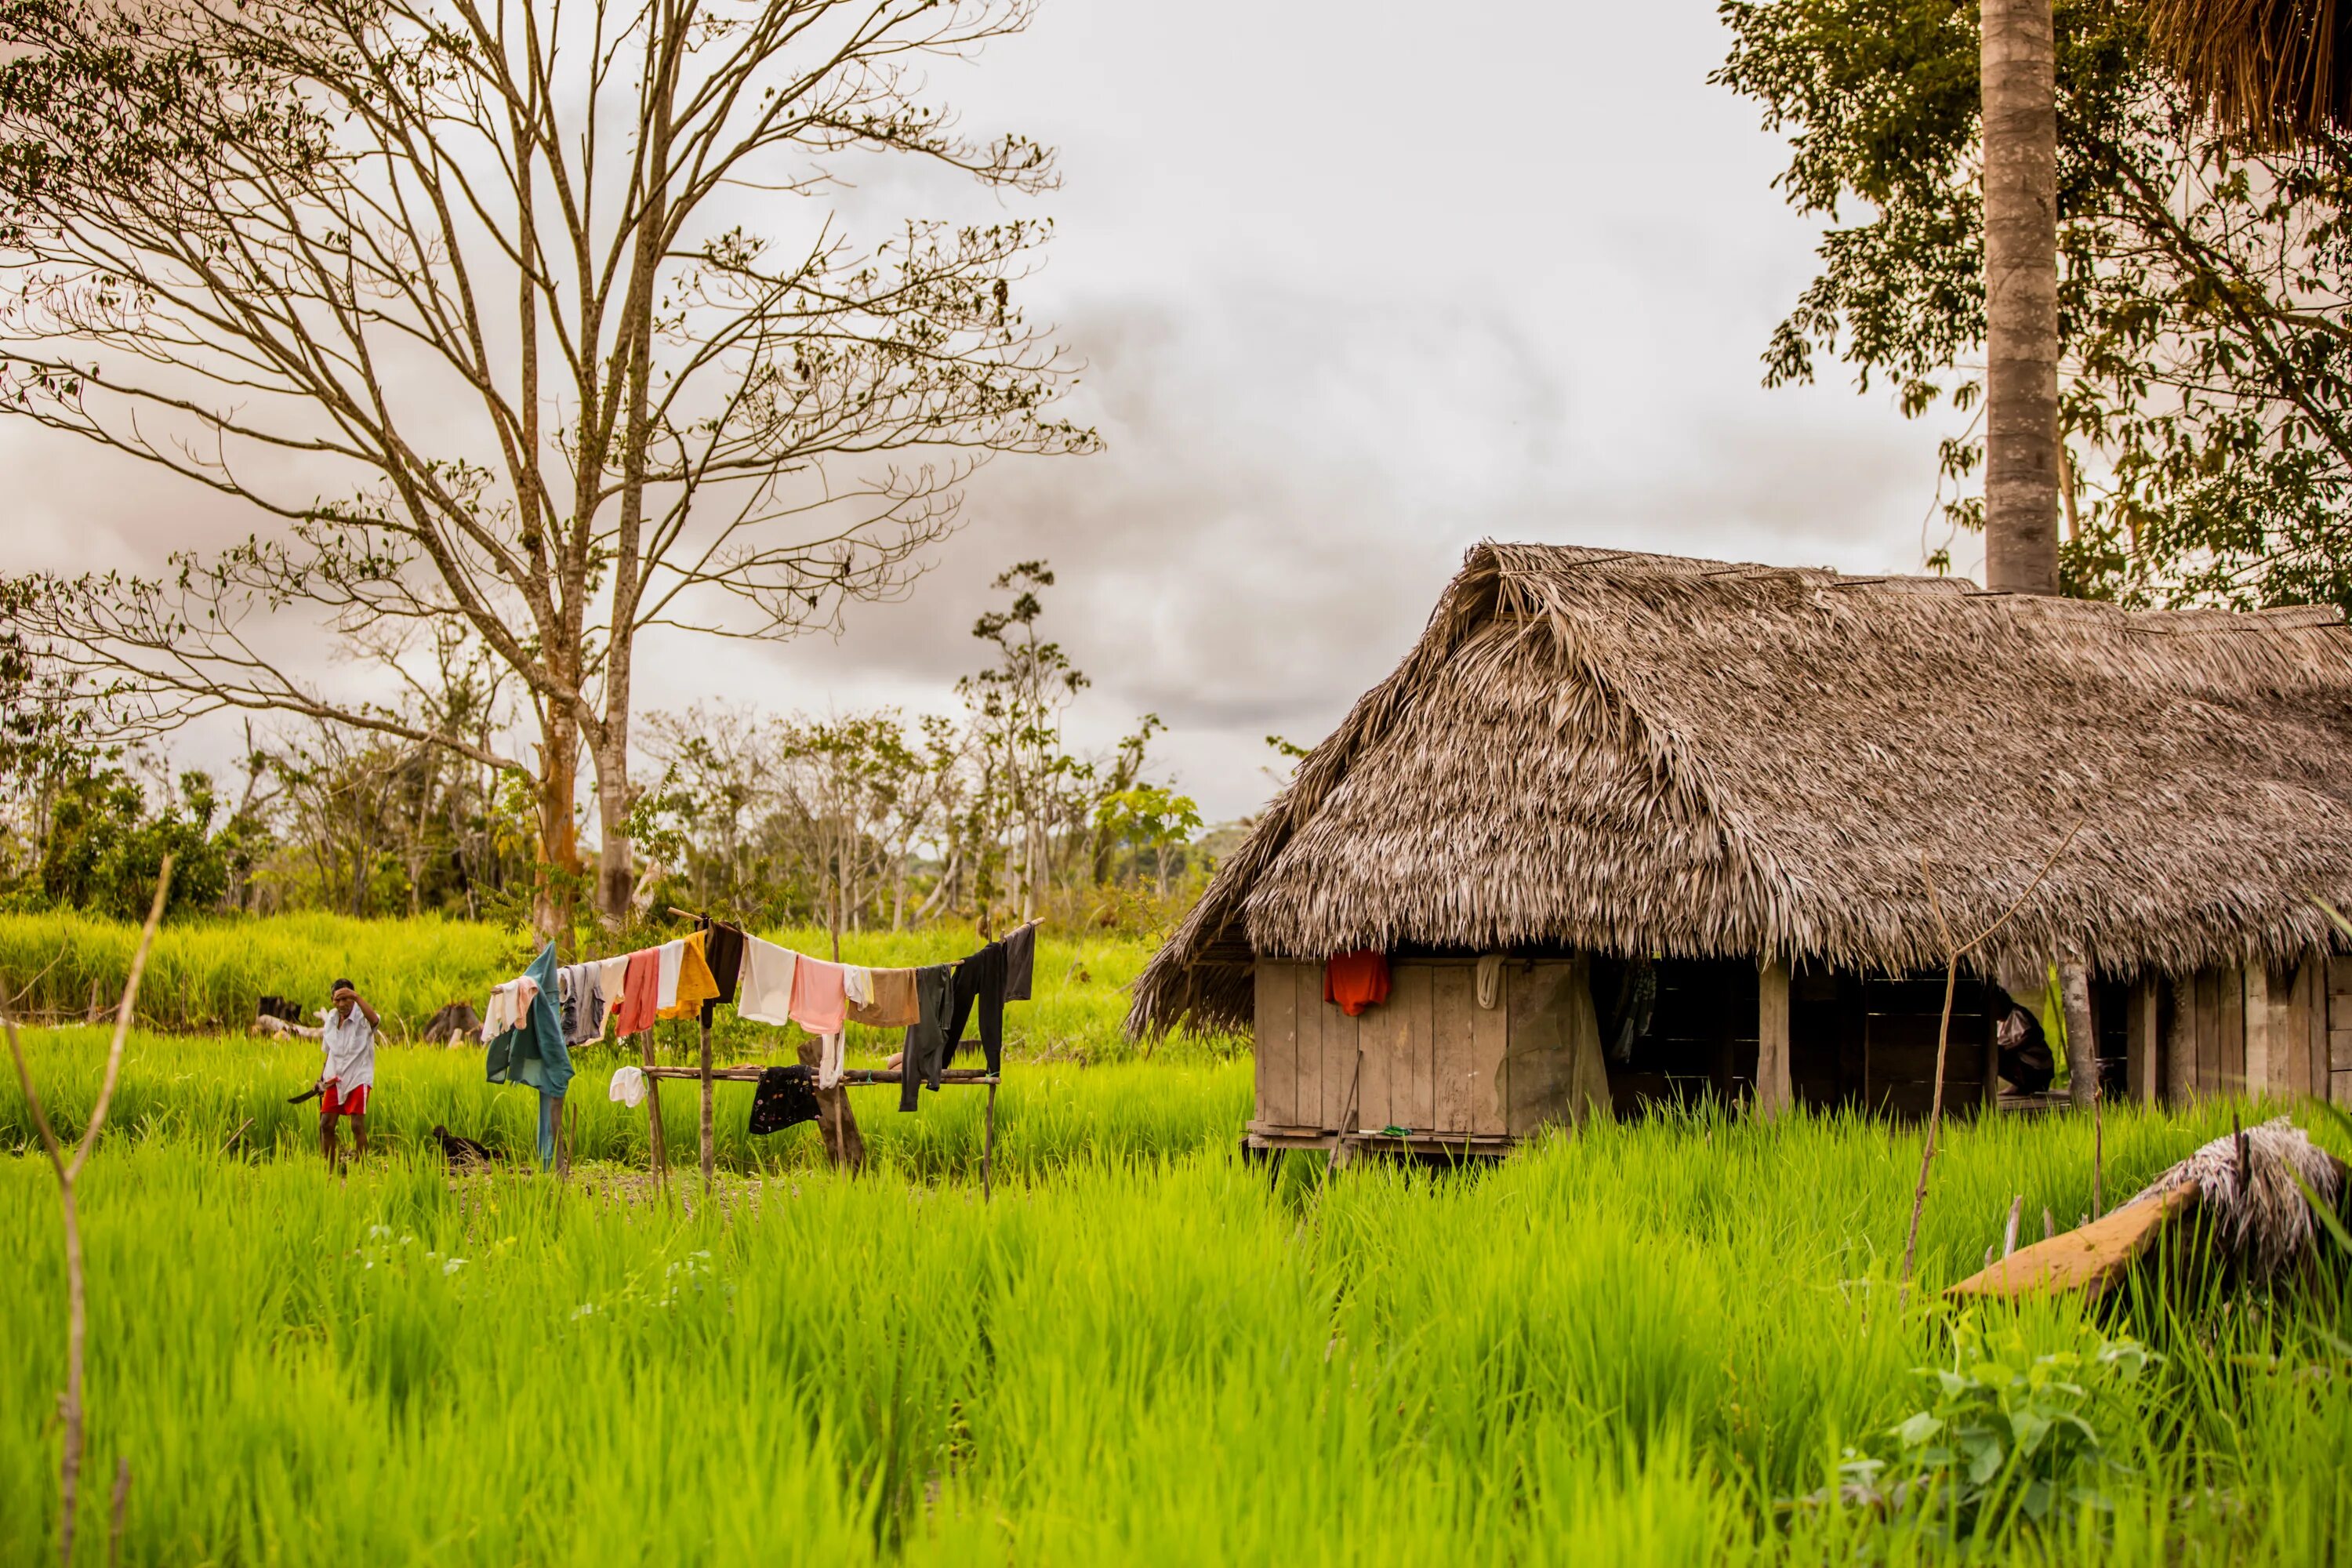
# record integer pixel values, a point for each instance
(1353, 293)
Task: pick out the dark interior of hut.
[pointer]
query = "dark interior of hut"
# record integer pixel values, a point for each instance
(1676, 1031)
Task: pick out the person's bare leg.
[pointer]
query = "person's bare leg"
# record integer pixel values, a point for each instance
(359, 1139)
(327, 1138)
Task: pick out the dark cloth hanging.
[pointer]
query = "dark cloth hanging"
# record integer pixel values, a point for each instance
(926, 1041)
(787, 1097)
(2026, 1060)
(979, 982)
(1357, 981)
(1020, 961)
(722, 950)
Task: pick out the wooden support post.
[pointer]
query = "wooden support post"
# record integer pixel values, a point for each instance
(660, 1156)
(988, 1149)
(1991, 1057)
(2181, 1042)
(2140, 1042)
(707, 1150)
(1774, 1093)
(2260, 1030)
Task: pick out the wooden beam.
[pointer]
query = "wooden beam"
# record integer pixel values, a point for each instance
(1774, 1093)
(652, 1109)
(2140, 1042)
(2181, 1042)
(707, 1151)
(854, 1076)
(2259, 1029)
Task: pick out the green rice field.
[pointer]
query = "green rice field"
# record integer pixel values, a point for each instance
(1655, 1342)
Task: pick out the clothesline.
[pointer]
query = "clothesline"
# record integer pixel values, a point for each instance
(533, 1021)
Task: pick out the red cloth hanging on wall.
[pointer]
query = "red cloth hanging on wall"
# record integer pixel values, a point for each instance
(1355, 981)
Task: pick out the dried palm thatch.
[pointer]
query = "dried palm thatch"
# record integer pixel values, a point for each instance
(1631, 754)
(2276, 70)
(2248, 1189)
(2247, 1186)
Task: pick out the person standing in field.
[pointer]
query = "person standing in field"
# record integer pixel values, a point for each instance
(345, 1082)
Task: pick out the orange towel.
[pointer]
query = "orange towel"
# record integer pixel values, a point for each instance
(639, 983)
(696, 984)
(1357, 981)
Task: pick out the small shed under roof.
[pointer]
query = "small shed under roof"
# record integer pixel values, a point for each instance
(1637, 757)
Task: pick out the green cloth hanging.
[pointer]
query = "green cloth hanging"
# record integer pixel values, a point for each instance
(533, 1051)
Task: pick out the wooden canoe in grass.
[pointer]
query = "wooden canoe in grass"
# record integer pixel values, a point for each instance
(2249, 1187)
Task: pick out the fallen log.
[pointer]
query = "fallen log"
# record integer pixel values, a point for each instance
(2249, 1189)
(279, 1028)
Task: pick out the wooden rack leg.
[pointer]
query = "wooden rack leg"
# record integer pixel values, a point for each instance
(706, 1108)
(988, 1150)
(653, 1113)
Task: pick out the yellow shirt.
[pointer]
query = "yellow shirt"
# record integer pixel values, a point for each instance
(696, 984)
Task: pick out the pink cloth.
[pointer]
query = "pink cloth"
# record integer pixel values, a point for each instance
(820, 995)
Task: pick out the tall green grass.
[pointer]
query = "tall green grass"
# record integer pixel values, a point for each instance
(208, 975)
(1632, 1345)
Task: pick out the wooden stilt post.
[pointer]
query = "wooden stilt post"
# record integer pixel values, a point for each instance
(706, 1110)
(988, 1149)
(653, 1113)
(1774, 1093)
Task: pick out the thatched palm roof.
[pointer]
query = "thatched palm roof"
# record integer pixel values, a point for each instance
(2277, 70)
(1633, 753)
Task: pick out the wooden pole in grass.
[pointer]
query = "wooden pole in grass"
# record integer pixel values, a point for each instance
(707, 1150)
(653, 1113)
(69, 1406)
(1953, 955)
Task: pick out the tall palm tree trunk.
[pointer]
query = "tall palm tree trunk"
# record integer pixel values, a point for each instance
(2019, 74)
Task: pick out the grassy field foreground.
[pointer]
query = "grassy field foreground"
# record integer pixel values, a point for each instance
(1633, 1345)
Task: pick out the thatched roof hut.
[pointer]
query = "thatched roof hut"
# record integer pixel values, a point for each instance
(1637, 755)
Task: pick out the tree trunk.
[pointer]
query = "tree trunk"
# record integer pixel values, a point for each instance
(615, 860)
(2019, 77)
(837, 1123)
(558, 830)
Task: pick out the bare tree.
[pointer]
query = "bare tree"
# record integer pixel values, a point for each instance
(485, 275)
(67, 1169)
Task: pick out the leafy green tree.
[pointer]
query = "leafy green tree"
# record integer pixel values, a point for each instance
(1150, 817)
(2206, 394)
(106, 848)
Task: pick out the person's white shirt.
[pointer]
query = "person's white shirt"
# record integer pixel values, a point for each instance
(350, 1045)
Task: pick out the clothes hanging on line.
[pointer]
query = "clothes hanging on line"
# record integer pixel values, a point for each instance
(628, 1088)
(722, 951)
(695, 983)
(783, 1098)
(580, 990)
(857, 986)
(611, 973)
(828, 1061)
(979, 986)
(498, 1015)
(927, 1038)
(1357, 981)
(1020, 961)
(533, 1051)
(639, 992)
(894, 1004)
(820, 995)
(765, 993)
(673, 959)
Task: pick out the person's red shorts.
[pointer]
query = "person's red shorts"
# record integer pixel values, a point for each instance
(349, 1102)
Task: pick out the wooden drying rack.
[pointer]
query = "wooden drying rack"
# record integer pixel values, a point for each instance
(706, 1075)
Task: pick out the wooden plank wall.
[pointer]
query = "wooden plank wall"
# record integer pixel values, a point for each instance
(1431, 1059)
(2284, 1031)
(1901, 1020)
